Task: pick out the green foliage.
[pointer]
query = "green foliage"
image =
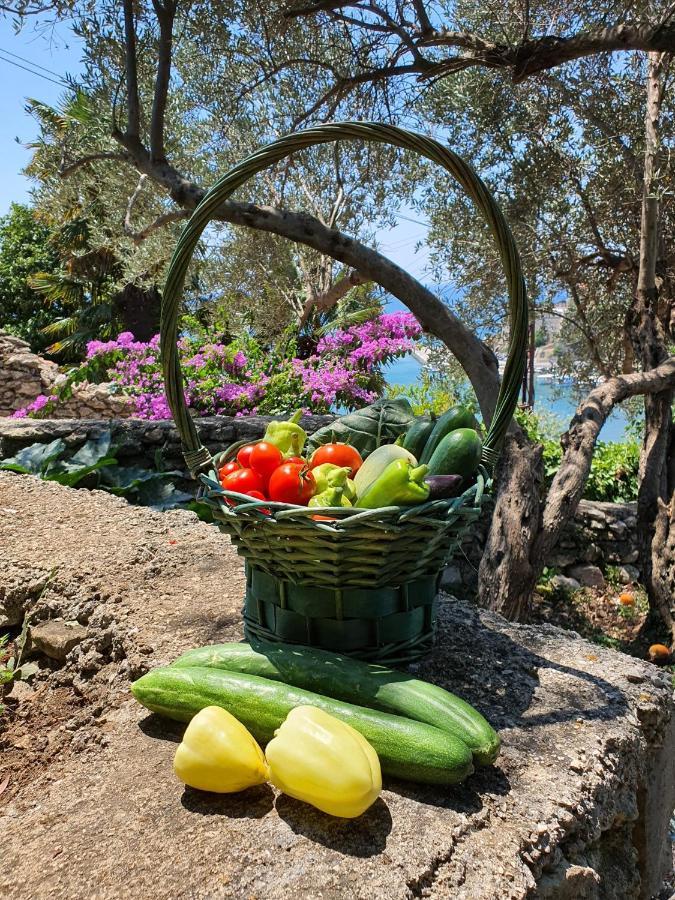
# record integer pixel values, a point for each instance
(26, 248)
(12, 667)
(614, 470)
(433, 393)
(93, 466)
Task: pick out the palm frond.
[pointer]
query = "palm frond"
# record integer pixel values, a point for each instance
(66, 325)
(56, 287)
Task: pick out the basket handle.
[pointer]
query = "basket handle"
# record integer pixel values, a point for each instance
(196, 455)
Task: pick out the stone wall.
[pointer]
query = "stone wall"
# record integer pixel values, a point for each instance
(25, 375)
(600, 535)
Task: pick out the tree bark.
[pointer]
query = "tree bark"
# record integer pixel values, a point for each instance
(139, 308)
(655, 512)
(506, 575)
(332, 296)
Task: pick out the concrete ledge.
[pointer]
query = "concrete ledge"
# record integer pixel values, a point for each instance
(576, 807)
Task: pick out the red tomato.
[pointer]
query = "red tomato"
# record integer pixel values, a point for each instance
(298, 460)
(257, 495)
(264, 459)
(244, 456)
(339, 455)
(243, 481)
(292, 483)
(229, 467)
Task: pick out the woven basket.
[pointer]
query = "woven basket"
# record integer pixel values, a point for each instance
(366, 582)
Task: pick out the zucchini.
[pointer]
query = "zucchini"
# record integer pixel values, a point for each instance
(455, 417)
(355, 682)
(410, 750)
(418, 434)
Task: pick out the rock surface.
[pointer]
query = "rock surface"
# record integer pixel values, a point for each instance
(587, 576)
(576, 807)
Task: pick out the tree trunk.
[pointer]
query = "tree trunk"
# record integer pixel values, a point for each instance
(525, 530)
(506, 576)
(139, 308)
(655, 518)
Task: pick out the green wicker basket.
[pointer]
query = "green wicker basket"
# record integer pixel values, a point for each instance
(364, 583)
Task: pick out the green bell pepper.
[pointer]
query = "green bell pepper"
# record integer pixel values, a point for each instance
(288, 436)
(401, 484)
(332, 496)
(328, 475)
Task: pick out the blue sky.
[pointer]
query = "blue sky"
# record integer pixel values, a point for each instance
(57, 51)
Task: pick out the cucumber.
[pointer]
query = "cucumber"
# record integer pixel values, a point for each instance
(455, 417)
(409, 750)
(418, 434)
(458, 453)
(355, 682)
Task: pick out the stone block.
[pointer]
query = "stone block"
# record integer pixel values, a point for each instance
(587, 576)
(565, 584)
(56, 638)
(576, 806)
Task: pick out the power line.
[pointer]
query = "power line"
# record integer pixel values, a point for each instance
(30, 62)
(33, 72)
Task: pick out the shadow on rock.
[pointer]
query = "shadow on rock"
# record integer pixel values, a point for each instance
(465, 798)
(363, 837)
(253, 803)
(500, 676)
(162, 729)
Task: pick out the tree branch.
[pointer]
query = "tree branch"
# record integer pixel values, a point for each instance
(579, 443)
(133, 103)
(475, 357)
(165, 16)
(65, 171)
(332, 296)
(529, 57)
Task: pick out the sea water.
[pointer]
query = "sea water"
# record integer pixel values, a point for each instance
(550, 396)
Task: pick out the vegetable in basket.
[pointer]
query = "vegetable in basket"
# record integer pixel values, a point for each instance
(332, 496)
(415, 438)
(458, 453)
(455, 417)
(329, 475)
(325, 762)
(218, 754)
(288, 436)
(376, 463)
(243, 481)
(338, 454)
(292, 483)
(368, 428)
(401, 484)
(442, 487)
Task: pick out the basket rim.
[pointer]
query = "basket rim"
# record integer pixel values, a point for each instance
(271, 511)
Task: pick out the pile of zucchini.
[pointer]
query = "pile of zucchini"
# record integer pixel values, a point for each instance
(420, 732)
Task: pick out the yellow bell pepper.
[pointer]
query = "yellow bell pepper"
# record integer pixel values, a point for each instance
(218, 754)
(319, 759)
